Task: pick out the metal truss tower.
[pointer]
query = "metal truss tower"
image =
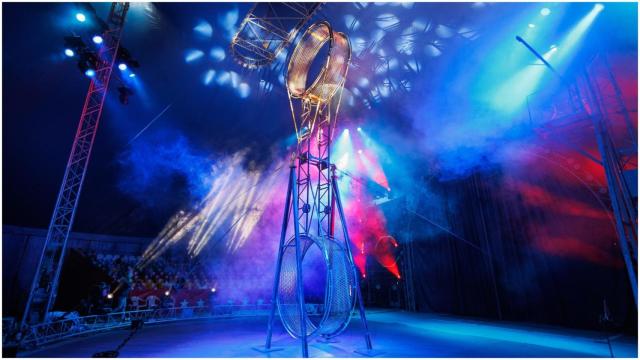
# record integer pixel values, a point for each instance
(44, 288)
(594, 101)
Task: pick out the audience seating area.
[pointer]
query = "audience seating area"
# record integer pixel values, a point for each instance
(165, 282)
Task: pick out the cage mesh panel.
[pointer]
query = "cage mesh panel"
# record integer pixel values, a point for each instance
(333, 73)
(339, 291)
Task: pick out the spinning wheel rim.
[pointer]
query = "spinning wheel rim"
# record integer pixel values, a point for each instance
(319, 326)
(306, 51)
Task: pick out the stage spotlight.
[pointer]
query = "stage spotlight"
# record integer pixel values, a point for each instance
(360, 151)
(124, 93)
(97, 39)
(109, 296)
(213, 290)
(132, 75)
(345, 131)
(532, 26)
(90, 72)
(81, 17)
(545, 11)
(599, 7)
(69, 52)
(359, 128)
(122, 66)
(166, 293)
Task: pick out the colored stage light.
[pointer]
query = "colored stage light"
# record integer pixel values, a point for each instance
(81, 17)
(359, 128)
(217, 53)
(90, 72)
(360, 151)
(97, 39)
(193, 55)
(532, 26)
(122, 66)
(132, 75)
(213, 290)
(345, 131)
(545, 11)
(599, 7)
(69, 52)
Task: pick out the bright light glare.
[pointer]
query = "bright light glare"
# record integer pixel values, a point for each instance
(122, 66)
(532, 26)
(80, 17)
(545, 11)
(69, 52)
(90, 73)
(110, 296)
(213, 289)
(599, 7)
(359, 128)
(132, 75)
(166, 293)
(97, 39)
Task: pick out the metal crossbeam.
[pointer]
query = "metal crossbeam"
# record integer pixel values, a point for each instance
(45, 283)
(267, 29)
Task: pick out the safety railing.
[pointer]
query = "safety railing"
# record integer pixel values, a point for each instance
(45, 333)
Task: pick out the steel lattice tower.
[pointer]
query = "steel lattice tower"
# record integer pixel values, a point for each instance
(44, 288)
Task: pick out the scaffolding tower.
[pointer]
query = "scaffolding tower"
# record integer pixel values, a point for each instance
(44, 287)
(594, 103)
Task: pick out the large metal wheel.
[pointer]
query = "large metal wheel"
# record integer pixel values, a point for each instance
(333, 72)
(331, 316)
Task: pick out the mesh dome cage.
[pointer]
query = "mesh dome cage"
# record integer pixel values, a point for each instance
(333, 72)
(339, 289)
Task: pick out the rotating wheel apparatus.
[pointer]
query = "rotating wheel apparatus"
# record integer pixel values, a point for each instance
(313, 200)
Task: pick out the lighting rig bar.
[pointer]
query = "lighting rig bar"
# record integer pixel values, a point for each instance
(44, 288)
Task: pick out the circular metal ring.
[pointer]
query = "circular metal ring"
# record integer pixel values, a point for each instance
(333, 72)
(339, 289)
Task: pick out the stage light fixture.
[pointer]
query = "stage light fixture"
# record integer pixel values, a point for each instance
(599, 7)
(109, 296)
(213, 290)
(122, 66)
(166, 293)
(90, 72)
(545, 12)
(123, 94)
(69, 52)
(81, 17)
(345, 131)
(97, 39)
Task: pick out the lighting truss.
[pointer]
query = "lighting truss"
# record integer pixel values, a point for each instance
(44, 288)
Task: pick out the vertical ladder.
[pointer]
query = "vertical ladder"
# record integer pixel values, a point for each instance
(45, 282)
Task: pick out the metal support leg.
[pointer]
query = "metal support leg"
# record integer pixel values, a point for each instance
(303, 313)
(369, 351)
(276, 280)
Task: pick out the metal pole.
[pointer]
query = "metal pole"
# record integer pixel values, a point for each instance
(283, 234)
(363, 317)
(303, 317)
(613, 191)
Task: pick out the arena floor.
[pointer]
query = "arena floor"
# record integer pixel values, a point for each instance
(395, 333)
